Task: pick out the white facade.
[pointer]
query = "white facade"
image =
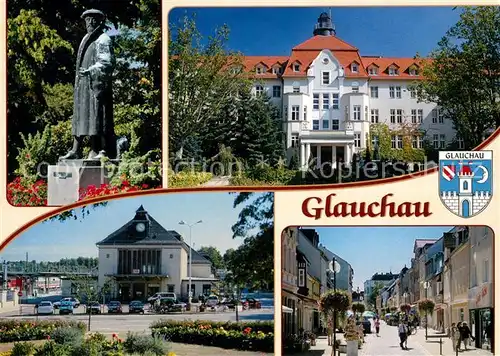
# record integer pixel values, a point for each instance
(329, 96)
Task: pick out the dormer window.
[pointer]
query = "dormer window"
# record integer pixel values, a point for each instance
(296, 67)
(354, 68)
(236, 70)
(373, 70)
(413, 71)
(276, 70)
(393, 71)
(260, 70)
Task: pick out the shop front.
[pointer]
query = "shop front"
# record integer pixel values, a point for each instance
(289, 305)
(481, 313)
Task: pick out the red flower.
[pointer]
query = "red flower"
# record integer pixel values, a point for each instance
(48, 337)
(114, 336)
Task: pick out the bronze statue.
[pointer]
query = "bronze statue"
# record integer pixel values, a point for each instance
(93, 93)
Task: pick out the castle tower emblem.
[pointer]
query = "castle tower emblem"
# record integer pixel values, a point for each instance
(465, 181)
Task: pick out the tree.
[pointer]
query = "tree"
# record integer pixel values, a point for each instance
(213, 255)
(372, 298)
(252, 263)
(358, 308)
(89, 292)
(463, 73)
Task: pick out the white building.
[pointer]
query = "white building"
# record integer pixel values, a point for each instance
(142, 258)
(330, 95)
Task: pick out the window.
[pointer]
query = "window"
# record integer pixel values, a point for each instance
(326, 60)
(295, 141)
(295, 112)
(325, 78)
(393, 141)
(374, 115)
(460, 143)
(357, 140)
(305, 113)
(392, 93)
(397, 141)
(296, 89)
(442, 141)
(357, 112)
(302, 277)
(413, 71)
(354, 68)
(296, 67)
(316, 125)
(355, 88)
(335, 101)
(486, 271)
(440, 116)
(374, 92)
(276, 70)
(325, 124)
(139, 261)
(434, 116)
(420, 117)
(373, 70)
(375, 140)
(206, 289)
(276, 91)
(413, 116)
(416, 142)
(393, 71)
(393, 116)
(398, 92)
(315, 101)
(335, 124)
(413, 93)
(171, 255)
(260, 70)
(107, 255)
(399, 116)
(435, 141)
(171, 288)
(259, 90)
(326, 101)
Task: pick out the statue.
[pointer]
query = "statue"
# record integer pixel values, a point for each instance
(93, 93)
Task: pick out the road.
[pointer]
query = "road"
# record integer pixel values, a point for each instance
(122, 323)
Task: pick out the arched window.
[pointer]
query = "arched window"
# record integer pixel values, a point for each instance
(466, 185)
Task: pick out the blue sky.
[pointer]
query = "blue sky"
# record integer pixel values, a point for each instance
(52, 241)
(372, 250)
(385, 31)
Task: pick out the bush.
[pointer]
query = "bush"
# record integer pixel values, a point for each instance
(268, 175)
(26, 330)
(187, 179)
(105, 189)
(25, 192)
(143, 344)
(239, 336)
(69, 336)
(23, 349)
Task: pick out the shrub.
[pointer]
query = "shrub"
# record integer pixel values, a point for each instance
(239, 336)
(105, 189)
(187, 179)
(69, 336)
(51, 348)
(26, 192)
(358, 308)
(269, 175)
(23, 349)
(27, 330)
(143, 344)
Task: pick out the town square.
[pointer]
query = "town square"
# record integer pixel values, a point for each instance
(172, 271)
(387, 290)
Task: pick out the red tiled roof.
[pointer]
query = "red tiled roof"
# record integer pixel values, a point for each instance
(383, 65)
(319, 43)
(250, 62)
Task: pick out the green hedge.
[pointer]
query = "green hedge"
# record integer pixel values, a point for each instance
(186, 179)
(251, 336)
(26, 330)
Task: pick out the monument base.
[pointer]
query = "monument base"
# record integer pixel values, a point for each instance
(68, 178)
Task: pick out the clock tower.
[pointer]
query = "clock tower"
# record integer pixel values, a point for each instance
(141, 223)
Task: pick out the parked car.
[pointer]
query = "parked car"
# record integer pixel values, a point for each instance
(253, 303)
(45, 307)
(66, 307)
(74, 301)
(367, 325)
(94, 308)
(163, 295)
(136, 306)
(114, 307)
(212, 301)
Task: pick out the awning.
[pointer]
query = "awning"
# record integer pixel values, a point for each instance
(286, 310)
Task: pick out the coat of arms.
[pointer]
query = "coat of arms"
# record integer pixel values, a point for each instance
(465, 181)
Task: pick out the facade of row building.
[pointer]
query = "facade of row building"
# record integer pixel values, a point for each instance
(330, 95)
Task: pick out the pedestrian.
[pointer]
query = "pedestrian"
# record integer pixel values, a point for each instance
(377, 326)
(466, 335)
(488, 334)
(403, 335)
(455, 337)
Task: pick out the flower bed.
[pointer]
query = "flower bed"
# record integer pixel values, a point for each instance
(251, 336)
(25, 330)
(105, 189)
(23, 192)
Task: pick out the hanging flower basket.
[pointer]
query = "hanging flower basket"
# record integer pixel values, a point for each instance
(405, 308)
(339, 301)
(426, 305)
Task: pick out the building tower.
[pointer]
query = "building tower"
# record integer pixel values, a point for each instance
(324, 27)
(465, 176)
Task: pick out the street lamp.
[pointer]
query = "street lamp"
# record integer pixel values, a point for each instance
(182, 222)
(334, 268)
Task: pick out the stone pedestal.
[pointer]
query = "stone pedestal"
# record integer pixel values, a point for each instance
(66, 179)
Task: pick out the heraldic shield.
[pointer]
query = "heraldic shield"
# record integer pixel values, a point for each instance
(466, 181)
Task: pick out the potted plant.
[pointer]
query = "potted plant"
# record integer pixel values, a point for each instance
(309, 335)
(333, 305)
(405, 308)
(351, 336)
